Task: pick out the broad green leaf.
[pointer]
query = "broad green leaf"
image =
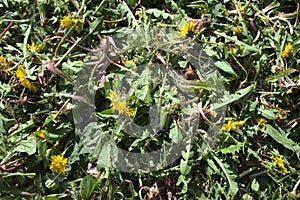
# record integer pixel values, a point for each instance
(225, 66)
(53, 181)
(187, 155)
(87, 186)
(253, 106)
(185, 168)
(268, 114)
(4, 89)
(182, 64)
(144, 94)
(26, 36)
(27, 146)
(281, 137)
(5, 3)
(175, 135)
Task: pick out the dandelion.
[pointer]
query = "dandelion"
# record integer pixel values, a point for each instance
(119, 105)
(282, 115)
(34, 48)
(130, 112)
(68, 21)
(21, 75)
(58, 164)
(261, 123)
(241, 9)
(232, 125)
(130, 64)
(240, 124)
(238, 30)
(287, 49)
(40, 134)
(228, 127)
(186, 28)
(280, 162)
(3, 61)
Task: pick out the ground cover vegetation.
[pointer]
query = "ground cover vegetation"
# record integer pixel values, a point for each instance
(255, 47)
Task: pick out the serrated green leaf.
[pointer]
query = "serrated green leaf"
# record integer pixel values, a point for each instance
(232, 149)
(87, 187)
(281, 137)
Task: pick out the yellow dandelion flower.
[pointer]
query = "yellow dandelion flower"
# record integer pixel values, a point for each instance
(261, 123)
(186, 28)
(241, 9)
(66, 21)
(130, 111)
(33, 47)
(40, 134)
(238, 30)
(280, 162)
(21, 75)
(119, 105)
(58, 164)
(240, 124)
(229, 126)
(287, 49)
(112, 96)
(282, 115)
(232, 125)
